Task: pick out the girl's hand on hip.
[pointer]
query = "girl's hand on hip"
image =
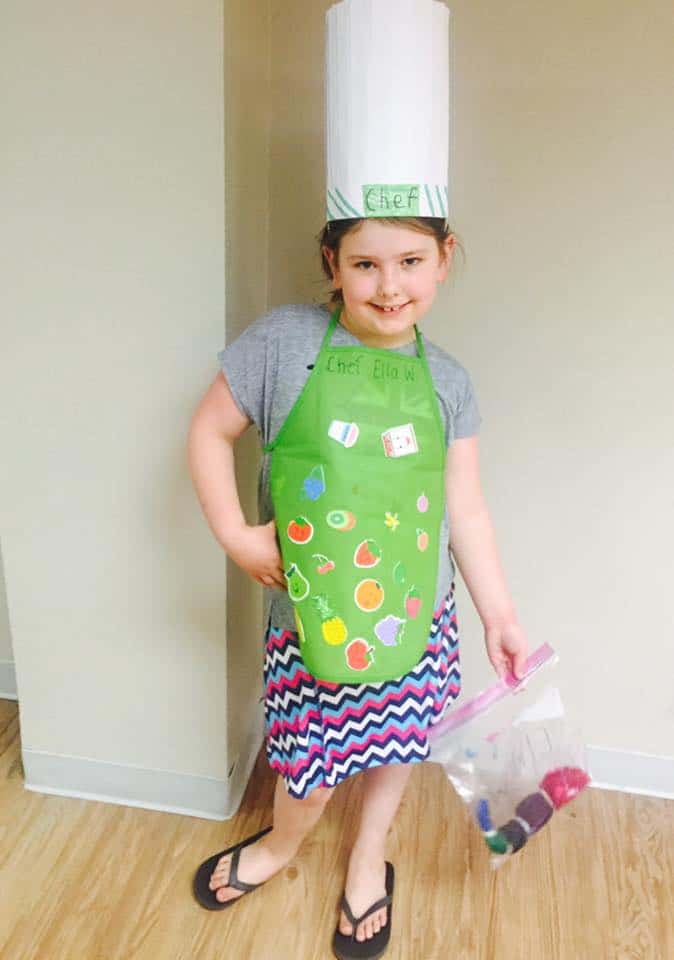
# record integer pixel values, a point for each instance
(506, 645)
(256, 551)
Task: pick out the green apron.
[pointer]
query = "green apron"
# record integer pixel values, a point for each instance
(357, 486)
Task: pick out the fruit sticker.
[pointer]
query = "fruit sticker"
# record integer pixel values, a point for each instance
(300, 530)
(412, 603)
(390, 630)
(298, 585)
(333, 627)
(341, 520)
(369, 595)
(422, 503)
(300, 626)
(324, 565)
(359, 655)
(314, 485)
(368, 554)
(344, 433)
(391, 521)
(399, 573)
(400, 441)
(422, 540)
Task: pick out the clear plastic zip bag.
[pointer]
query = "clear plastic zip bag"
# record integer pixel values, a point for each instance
(512, 756)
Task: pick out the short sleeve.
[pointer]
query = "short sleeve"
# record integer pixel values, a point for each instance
(467, 417)
(245, 364)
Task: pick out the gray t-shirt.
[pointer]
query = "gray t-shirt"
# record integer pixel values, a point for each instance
(266, 369)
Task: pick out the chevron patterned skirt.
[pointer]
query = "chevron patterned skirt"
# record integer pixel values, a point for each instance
(320, 733)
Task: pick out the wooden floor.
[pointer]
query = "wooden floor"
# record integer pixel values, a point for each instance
(81, 880)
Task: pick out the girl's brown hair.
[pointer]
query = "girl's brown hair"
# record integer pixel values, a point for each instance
(333, 232)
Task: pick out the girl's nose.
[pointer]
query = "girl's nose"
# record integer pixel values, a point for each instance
(388, 283)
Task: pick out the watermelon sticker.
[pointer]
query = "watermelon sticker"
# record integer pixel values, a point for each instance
(368, 554)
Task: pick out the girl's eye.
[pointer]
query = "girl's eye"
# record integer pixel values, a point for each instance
(364, 264)
(412, 261)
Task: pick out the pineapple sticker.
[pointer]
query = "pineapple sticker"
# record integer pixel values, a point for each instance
(333, 628)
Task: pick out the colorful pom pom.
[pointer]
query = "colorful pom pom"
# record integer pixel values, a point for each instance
(515, 834)
(535, 810)
(563, 784)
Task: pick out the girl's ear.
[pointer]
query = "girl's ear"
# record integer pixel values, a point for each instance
(448, 245)
(330, 257)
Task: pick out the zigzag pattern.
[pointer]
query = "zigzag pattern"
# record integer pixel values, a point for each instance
(320, 733)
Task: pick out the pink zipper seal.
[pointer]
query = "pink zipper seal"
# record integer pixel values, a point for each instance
(487, 698)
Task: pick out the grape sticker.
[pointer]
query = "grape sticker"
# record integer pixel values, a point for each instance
(369, 595)
(298, 585)
(300, 530)
(422, 540)
(368, 554)
(359, 655)
(341, 520)
(324, 565)
(390, 630)
(422, 503)
(314, 485)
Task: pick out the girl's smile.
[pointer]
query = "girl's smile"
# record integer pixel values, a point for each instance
(388, 275)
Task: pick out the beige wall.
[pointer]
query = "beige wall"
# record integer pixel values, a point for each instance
(6, 652)
(113, 244)
(562, 186)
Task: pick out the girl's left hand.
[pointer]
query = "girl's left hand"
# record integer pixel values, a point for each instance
(506, 648)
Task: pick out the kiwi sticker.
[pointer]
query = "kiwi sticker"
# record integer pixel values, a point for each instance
(369, 595)
(298, 585)
(314, 485)
(359, 654)
(300, 530)
(390, 630)
(341, 520)
(368, 554)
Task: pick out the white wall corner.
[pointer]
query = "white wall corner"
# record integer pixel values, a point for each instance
(631, 772)
(8, 680)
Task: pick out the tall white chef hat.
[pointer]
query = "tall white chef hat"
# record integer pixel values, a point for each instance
(387, 99)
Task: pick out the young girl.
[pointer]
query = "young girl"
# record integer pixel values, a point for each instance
(385, 274)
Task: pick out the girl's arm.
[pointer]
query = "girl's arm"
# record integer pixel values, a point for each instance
(473, 545)
(216, 425)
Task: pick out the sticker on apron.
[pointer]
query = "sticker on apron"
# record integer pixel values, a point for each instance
(399, 573)
(300, 627)
(422, 540)
(390, 630)
(298, 585)
(391, 521)
(333, 627)
(359, 655)
(368, 554)
(412, 603)
(422, 503)
(300, 530)
(341, 520)
(369, 595)
(400, 441)
(344, 433)
(324, 564)
(314, 485)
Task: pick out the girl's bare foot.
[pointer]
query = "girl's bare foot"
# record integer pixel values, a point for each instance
(258, 862)
(365, 884)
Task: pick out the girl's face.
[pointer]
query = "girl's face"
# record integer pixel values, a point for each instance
(389, 277)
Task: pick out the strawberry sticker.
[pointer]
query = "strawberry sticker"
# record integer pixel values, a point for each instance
(412, 603)
(368, 554)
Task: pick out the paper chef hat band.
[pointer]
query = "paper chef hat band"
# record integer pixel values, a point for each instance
(387, 100)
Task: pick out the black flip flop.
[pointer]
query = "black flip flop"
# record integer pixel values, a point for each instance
(348, 948)
(203, 893)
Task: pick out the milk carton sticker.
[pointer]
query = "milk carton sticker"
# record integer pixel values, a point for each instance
(344, 433)
(400, 441)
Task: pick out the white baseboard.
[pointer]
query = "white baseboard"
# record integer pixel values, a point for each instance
(8, 680)
(631, 772)
(182, 793)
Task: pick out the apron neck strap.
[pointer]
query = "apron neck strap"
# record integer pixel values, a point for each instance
(333, 323)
